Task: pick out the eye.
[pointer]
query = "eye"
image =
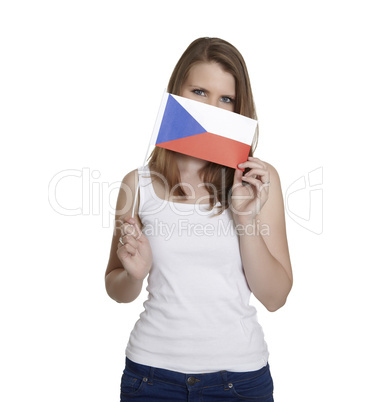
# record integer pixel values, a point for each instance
(199, 92)
(226, 99)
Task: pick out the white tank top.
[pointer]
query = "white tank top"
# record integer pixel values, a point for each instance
(197, 318)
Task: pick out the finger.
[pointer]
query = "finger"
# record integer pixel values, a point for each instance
(125, 226)
(238, 182)
(256, 182)
(128, 239)
(134, 224)
(251, 164)
(237, 177)
(253, 159)
(130, 249)
(122, 252)
(138, 231)
(128, 229)
(262, 173)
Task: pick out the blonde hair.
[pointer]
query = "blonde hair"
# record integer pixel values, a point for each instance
(218, 179)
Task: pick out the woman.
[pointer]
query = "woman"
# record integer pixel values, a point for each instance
(207, 236)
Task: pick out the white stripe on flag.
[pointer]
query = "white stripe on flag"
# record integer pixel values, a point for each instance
(220, 121)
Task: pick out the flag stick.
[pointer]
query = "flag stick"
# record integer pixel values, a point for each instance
(152, 141)
(137, 187)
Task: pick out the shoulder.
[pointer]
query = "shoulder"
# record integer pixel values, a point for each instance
(274, 175)
(128, 187)
(131, 179)
(274, 185)
(274, 208)
(127, 193)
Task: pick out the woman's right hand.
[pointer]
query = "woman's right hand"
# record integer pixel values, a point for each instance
(135, 253)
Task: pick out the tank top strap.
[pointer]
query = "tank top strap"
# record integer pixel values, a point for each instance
(144, 175)
(145, 186)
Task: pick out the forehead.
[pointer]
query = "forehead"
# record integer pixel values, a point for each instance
(211, 74)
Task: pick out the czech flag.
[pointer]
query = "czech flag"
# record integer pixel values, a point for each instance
(203, 131)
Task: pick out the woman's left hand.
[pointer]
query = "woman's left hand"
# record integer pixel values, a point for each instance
(248, 199)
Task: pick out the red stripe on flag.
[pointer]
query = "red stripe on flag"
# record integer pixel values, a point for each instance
(210, 147)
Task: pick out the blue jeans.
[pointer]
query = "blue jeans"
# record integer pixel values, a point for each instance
(144, 383)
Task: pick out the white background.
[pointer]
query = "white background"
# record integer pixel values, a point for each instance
(81, 83)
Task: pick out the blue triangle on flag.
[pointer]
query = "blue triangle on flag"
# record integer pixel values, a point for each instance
(177, 123)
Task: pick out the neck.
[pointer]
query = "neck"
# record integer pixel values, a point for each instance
(189, 165)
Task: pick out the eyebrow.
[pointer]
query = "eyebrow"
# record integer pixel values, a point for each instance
(205, 90)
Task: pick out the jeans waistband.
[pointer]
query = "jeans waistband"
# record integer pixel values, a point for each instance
(190, 380)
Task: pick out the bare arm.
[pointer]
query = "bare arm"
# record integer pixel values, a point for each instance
(263, 244)
(130, 263)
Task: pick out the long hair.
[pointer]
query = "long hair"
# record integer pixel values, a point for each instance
(218, 179)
